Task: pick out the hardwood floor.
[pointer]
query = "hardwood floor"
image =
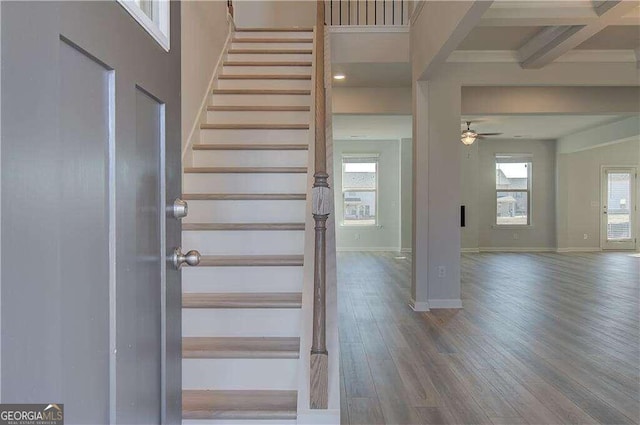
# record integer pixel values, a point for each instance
(542, 339)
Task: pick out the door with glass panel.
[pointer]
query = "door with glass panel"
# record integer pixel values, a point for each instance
(618, 227)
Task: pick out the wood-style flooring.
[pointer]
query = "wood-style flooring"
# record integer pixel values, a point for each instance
(542, 339)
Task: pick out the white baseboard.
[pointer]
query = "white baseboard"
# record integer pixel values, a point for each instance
(418, 305)
(319, 417)
(444, 303)
(368, 249)
(474, 250)
(579, 249)
(516, 249)
(407, 250)
(200, 118)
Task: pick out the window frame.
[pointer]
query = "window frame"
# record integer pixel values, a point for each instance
(159, 31)
(370, 158)
(512, 158)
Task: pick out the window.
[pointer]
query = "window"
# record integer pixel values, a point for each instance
(513, 190)
(153, 16)
(360, 189)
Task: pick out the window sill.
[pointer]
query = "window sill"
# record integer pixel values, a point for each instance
(512, 226)
(361, 226)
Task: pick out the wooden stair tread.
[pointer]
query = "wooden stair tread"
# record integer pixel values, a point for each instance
(251, 147)
(272, 40)
(254, 126)
(263, 91)
(241, 226)
(240, 347)
(252, 63)
(264, 77)
(242, 300)
(251, 108)
(239, 404)
(275, 29)
(246, 170)
(251, 260)
(270, 51)
(244, 196)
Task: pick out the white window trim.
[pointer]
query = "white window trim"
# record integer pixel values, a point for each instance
(375, 157)
(159, 31)
(515, 157)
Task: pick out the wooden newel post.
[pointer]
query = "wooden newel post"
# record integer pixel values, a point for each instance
(321, 200)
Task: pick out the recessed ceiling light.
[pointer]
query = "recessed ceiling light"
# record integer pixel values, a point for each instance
(339, 77)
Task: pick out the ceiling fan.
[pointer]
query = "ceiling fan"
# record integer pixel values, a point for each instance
(469, 136)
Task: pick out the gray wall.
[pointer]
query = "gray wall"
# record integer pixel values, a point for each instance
(579, 192)
(204, 32)
(478, 188)
(274, 13)
(406, 194)
(386, 235)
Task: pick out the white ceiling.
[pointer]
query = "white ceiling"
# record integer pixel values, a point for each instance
(536, 126)
(371, 127)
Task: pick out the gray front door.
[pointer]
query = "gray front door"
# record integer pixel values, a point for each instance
(90, 159)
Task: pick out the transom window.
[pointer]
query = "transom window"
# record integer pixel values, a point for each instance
(513, 190)
(360, 189)
(153, 16)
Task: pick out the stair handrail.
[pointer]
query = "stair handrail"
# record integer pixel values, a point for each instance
(230, 7)
(321, 208)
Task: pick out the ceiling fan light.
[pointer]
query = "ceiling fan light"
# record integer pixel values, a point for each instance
(468, 137)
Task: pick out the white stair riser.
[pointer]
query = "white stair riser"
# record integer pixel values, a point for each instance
(241, 279)
(244, 183)
(268, 70)
(271, 46)
(268, 57)
(245, 242)
(252, 136)
(258, 117)
(236, 322)
(249, 158)
(261, 99)
(274, 34)
(239, 422)
(246, 211)
(265, 84)
(240, 374)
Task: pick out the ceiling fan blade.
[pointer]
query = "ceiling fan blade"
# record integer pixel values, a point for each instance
(489, 134)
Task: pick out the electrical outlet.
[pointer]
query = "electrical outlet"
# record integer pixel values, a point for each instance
(516, 236)
(441, 271)
(585, 236)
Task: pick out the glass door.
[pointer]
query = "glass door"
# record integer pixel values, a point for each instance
(618, 208)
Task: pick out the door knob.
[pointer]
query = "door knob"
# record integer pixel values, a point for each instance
(179, 209)
(191, 258)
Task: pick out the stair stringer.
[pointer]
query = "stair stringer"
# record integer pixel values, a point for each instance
(194, 134)
(306, 415)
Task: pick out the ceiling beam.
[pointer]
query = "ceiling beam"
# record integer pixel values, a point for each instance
(551, 43)
(437, 31)
(539, 14)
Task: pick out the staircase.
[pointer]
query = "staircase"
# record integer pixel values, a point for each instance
(247, 203)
